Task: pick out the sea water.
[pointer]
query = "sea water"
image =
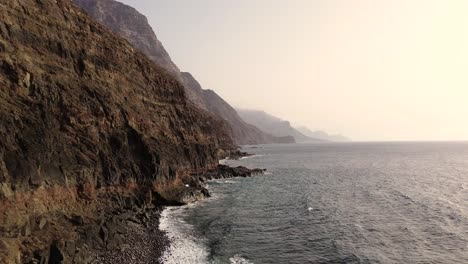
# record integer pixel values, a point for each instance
(332, 203)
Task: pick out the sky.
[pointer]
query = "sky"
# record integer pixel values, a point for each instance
(373, 70)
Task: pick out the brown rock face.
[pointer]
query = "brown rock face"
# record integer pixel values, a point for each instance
(125, 21)
(86, 123)
(133, 26)
(78, 103)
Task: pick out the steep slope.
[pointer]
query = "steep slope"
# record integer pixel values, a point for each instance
(88, 126)
(125, 21)
(274, 125)
(133, 26)
(242, 132)
(322, 135)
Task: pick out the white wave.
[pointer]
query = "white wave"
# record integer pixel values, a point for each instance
(185, 247)
(229, 181)
(239, 260)
(252, 156)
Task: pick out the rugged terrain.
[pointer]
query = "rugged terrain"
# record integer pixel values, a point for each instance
(133, 26)
(323, 135)
(93, 134)
(241, 132)
(275, 125)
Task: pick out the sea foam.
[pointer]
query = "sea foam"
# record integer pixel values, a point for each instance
(239, 260)
(185, 247)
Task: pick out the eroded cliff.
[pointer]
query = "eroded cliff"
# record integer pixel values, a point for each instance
(133, 26)
(88, 126)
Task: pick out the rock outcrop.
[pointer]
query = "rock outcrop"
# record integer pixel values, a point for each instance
(126, 22)
(90, 129)
(133, 26)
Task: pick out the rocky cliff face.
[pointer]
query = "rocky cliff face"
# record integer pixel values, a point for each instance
(125, 21)
(133, 26)
(88, 126)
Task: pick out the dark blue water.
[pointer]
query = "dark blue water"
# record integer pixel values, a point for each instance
(333, 203)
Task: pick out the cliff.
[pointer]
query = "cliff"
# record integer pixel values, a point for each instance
(125, 21)
(242, 132)
(133, 26)
(275, 125)
(89, 126)
(323, 135)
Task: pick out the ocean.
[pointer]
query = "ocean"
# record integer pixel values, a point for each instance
(332, 203)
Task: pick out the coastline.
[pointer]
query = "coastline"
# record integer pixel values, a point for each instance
(141, 242)
(187, 245)
(146, 236)
(184, 246)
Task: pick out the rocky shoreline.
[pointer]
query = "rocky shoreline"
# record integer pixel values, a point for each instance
(96, 138)
(140, 239)
(237, 154)
(119, 226)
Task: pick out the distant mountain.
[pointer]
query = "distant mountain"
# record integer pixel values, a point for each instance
(322, 135)
(274, 125)
(242, 132)
(127, 22)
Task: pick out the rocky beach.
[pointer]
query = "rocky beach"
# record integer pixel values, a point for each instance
(137, 231)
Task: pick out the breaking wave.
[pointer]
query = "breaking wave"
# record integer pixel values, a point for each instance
(185, 246)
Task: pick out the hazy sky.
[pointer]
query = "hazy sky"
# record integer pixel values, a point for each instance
(370, 69)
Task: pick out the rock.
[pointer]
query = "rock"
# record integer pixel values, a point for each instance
(133, 26)
(18, 257)
(42, 223)
(4, 47)
(55, 254)
(206, 193)
(237, 154)
(27, 229)
(224, 171)
(3, 245)
(115, 242)
(27, 80)
(93, 237)
(82, 257)
(104, 233)
(76, 220)
(70, 247)
(5, 190)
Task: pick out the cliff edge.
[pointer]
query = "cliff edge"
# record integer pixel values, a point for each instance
(128, 23)
(89, 128)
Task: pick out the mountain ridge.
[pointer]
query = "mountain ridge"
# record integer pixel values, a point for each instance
(127, 22)
(323, 135)
(274, 125)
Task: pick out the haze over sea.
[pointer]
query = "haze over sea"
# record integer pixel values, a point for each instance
(332, 203)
